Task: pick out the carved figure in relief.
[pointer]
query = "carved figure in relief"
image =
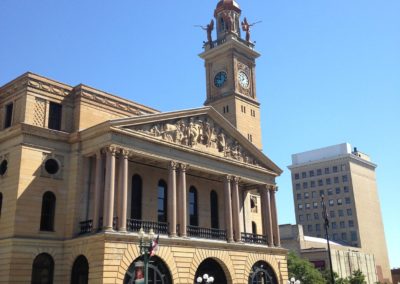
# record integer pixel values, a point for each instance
(221, 142)
(228, 21)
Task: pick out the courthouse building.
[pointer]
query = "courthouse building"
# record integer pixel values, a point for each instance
(82, 170)
(346, 178)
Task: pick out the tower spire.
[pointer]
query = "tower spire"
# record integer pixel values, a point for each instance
(227, 16)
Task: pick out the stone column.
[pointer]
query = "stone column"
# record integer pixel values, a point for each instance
(228, 208)
(172, 199)
(123, 190)
(108, 215)
(266, 214)
(236, 210)
(182, 213)
(97, 190)
(275, 225)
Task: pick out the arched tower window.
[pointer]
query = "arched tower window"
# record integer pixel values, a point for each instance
(162, 201)
(80, 271)
(136, 198)
(1, 202)
(48, 212)
(214, 210)
(193, 212)
(254, 228)
(43, 269)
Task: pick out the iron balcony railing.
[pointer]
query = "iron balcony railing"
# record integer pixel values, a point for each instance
(86, 227)
(134, 225)
(254, 238)
(206, 233)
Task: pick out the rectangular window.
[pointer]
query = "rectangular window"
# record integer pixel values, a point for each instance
(328, 181)
(316, 216)
(55, 113)
(332, 214)
(321, 192)
(349, 212)
(331, 202)
(9, 115)
(308, 206)
(298, 196)
(330, 191)
(308, 217)
(341, 213)
(344, 236)
(353, 236)
(315, 204)
(347, 200)
(351, 223)
(337, 190)
(306, 195)
(297, 186)
(296, 176)
(318, 227)
(336, 179)
(334, 169)
(303, 175)
(300, 206)
(335, 237)
(312, 183)
(305, 185)
(342, 224)
(339, 201)
(320, 182)
(311, 173)
(344, 178)
(314, 194)
(309, 228)
(334, 226)
(346, 189)
(301, 218)
(319, 172)
(326, 170)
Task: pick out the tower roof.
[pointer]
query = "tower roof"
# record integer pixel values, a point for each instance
(224, 5)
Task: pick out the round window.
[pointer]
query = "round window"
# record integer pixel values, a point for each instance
(51, 166)
(3, 167)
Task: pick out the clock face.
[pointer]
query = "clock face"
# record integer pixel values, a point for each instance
(220, 79)
(243, 79)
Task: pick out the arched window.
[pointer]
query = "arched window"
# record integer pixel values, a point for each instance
(48, 212)
(214, 210)
(1, 201)
(136, 198)
(80, 271)
(42, 269)
(193, 212)
(162, 201)
(254, 228)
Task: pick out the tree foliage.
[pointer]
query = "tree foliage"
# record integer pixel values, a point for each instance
(303, 270)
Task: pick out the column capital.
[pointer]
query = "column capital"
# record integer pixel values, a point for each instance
(227, 178)
(236, 180)
(125, 153)
(183, 167)
(172, 165)
(273, 188)
(110, 149)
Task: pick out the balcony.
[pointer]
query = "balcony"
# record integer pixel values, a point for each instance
(206, 233)
(134, 225)
(254, 238)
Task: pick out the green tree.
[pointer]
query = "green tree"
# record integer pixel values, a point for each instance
(327, 276)
(303, 270)
(357, 277)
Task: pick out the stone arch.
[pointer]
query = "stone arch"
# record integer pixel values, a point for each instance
(222, 257)
(82, 248)
(268, 258)
(132, 253)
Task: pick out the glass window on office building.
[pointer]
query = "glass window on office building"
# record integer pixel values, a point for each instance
(303, 174)
(330, 191)
(297, 186)
(320, 182)
(331, 202)
(300, 206)
(315, 204)
(308, 217)
(318, 227)
(336, 179)
(319, 172)
(339, 201)
(311, 173)
(312, 183)
(332, 214)
(349, 212)
(345, 178)
(309, 228)
(306, 195)
(353, 236)
(314, 194)
(298, 196)
(337, 189)
(326, 171)
(340, 213)
(342, 224)
(347, 200)
(321, 192)
(334, 226)
(346, 189)
(308, 206)
(301, 218)
(305, 185)
(328, 181)
(351, 223)
(334, 169)
(344, 236)
(316, 216)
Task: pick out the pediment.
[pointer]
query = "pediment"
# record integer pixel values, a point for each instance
(203, 130)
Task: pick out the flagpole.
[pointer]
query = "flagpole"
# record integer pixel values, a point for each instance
(326, 225)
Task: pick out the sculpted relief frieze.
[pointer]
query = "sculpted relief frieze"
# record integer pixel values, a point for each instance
(199, 133)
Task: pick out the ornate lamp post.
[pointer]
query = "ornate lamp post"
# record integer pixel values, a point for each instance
(326, 225)
(146, 245)
(293, 281)
(205, 279)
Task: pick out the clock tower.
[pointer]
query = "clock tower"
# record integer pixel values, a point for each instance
(230, 71)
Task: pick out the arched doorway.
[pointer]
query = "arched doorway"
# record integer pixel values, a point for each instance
(212, 268)
(262, 273)
(158, 272)
(80, 271)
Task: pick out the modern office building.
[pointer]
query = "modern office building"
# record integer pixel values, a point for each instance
(345, 259)
(346, 178)
(82, 171)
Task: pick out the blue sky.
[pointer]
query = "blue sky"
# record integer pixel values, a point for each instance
(329, 71)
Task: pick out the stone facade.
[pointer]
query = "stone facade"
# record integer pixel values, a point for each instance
(83, 170)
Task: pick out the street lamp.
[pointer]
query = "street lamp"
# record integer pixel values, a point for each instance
(326, 225)
(205, 279)
(293, 281)
(146, 245)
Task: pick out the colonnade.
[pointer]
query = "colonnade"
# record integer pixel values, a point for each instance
(104, 188)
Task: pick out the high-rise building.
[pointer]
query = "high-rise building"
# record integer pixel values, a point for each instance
(82, 171)
(346, 178)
